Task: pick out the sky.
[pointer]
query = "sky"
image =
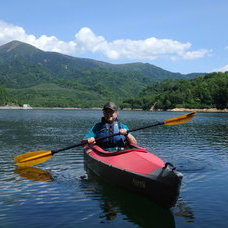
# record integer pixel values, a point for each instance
(176, 35)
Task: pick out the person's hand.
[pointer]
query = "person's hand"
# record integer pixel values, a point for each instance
(91, 140)
(123, 131)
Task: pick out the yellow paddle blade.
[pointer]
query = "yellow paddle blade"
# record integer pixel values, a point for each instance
(34, 174)
(180, 119)
(32, 158)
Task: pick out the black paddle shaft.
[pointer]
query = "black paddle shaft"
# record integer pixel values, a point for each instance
(141, 128)
(104, 137)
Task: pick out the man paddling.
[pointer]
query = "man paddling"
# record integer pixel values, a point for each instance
(110, 125)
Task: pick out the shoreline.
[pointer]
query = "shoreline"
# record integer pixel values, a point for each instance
(7, 107)
(198, 110)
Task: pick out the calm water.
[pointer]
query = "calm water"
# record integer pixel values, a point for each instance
(53, 194)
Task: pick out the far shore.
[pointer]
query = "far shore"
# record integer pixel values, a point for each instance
(197, 110)
(125, 109)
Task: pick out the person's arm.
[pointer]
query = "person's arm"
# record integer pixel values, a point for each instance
(90, 136)
(89, 140)
(130, 138)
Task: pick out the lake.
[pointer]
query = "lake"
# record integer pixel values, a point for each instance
(60, 193)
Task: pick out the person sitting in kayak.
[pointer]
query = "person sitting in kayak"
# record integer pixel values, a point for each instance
(110, 125)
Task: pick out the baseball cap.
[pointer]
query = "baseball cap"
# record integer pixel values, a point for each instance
(110, 105)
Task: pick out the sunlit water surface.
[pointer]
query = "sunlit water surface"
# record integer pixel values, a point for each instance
(59, 193)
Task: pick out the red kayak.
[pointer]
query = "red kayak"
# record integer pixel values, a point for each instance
(138, 170)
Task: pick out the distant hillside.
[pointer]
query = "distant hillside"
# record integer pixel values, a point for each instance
(23, 68)
(210, 91)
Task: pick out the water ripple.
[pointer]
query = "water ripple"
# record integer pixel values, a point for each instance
(53, 194)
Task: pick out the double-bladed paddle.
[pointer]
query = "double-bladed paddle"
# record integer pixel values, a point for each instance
(37, 157)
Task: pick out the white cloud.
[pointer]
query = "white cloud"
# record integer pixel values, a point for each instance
(9, 32)
(87, 41)
(47, 43)
(221, 69)
(196, 54)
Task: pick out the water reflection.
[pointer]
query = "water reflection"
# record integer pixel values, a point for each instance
(114, 202)
(34, 174)
(137, 209)
(198, 149)
(184, 211)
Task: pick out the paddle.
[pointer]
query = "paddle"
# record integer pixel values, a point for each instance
(37, 157)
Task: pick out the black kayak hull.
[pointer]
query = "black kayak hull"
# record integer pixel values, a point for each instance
(162, 185)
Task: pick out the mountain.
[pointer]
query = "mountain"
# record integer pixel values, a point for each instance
(25, 69)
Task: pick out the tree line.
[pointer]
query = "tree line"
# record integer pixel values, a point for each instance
(209, 91)
(6, 98)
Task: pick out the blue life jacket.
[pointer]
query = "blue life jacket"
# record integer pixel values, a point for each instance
(107, 129)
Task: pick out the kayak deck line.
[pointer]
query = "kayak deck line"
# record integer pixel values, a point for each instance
(106, 153)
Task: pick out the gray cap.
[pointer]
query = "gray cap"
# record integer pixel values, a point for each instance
(110, 105)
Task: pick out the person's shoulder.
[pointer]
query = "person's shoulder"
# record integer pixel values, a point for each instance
(123, 126)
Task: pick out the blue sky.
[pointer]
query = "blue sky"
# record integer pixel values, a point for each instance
(176, 35)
